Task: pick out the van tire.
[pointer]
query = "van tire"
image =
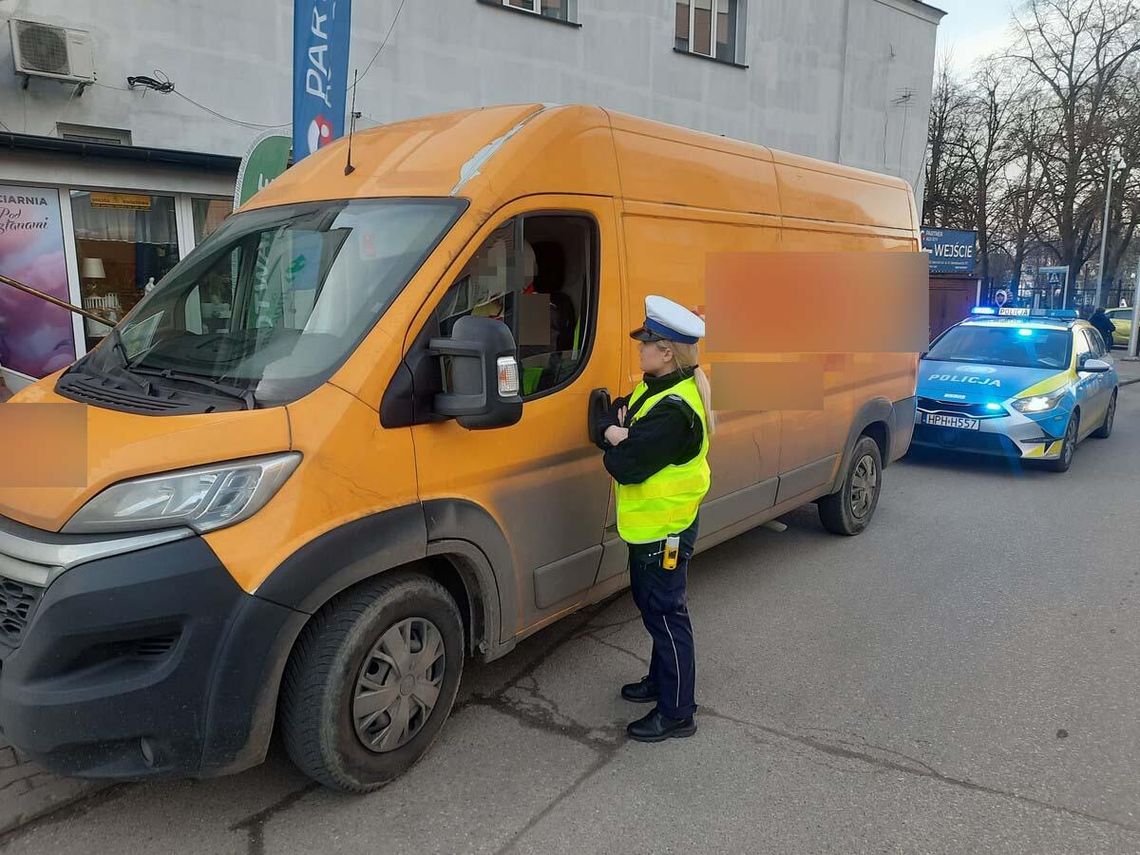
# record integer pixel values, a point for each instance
(848, 511)
(322, 680)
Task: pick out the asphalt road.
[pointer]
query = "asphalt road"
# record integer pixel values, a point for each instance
(960, 678)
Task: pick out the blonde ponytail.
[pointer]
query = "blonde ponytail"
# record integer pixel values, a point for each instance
(686, 356)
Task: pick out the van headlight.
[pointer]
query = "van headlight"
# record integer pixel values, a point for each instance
(1038, 403)
(204, 498)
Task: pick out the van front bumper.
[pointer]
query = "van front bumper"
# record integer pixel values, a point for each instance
(145, 663)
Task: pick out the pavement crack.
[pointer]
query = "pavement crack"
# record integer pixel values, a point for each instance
(600, 763)
(913, 766)
(542, 715)
(255, 823)
(642, 659)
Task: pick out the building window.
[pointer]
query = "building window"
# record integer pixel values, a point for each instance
(711, 28)
(556, 10)
(91, 134)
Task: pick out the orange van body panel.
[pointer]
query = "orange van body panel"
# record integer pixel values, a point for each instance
(351, 468)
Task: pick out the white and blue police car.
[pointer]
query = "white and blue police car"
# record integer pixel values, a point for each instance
(1015, 383)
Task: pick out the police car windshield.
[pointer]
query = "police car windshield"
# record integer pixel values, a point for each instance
(1016, 346)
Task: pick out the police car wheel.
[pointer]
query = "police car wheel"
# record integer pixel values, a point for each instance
(371, 681)
(848, 511)
(1105, 430)
(1068, 446)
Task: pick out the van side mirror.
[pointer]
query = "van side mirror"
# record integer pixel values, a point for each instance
(481, 374)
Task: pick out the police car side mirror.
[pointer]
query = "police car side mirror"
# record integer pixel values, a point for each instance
(481, 374)
(1094, 366)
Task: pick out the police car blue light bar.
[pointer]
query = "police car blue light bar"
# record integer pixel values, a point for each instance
(983, 310)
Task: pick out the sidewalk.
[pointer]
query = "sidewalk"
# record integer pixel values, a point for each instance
(27, 792)
(1127, 367)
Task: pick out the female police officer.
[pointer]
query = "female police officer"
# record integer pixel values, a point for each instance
(656, 446)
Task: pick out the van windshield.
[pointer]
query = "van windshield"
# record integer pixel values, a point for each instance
(276, 299)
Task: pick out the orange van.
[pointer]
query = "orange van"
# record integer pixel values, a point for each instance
(345, 444)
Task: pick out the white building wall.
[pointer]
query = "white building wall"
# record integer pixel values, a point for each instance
(827, 78)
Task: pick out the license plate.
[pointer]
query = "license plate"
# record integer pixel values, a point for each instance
(960, 422)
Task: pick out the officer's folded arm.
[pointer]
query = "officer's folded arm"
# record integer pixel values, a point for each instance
(608, 419)
(654, 442)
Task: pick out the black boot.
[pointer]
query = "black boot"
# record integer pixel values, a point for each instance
(656, 727)
(641, 692)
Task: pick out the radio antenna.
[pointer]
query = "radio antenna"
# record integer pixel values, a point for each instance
(352, 117)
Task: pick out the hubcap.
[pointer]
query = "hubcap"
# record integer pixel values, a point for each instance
(864, 483)
(398, 685)
(1111, 413)
(1070, 440)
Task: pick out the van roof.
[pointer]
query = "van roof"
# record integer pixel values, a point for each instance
(537, 148)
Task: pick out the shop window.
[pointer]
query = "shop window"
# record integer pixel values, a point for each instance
(536, 276)
(126, 242)
(208, 215)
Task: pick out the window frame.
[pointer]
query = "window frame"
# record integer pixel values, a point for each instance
(1094, 336)
(593, 290)
(738, 42)
(571, 19)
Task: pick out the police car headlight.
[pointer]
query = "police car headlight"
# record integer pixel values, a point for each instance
(1038, 403)
(204, 498)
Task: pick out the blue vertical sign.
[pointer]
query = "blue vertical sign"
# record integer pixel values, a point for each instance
(320, 72)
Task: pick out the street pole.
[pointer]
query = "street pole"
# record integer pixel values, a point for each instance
(1132, 342)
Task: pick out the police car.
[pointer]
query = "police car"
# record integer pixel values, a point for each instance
(1014, 383)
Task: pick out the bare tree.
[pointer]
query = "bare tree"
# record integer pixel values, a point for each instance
(1078, 51)
(985, 147)
(1121, 137)
(1020, 189)
(946, 173)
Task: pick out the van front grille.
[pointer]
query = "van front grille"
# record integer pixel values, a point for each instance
(18, 602)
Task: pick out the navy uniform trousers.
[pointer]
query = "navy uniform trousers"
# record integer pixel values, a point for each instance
(661, 596)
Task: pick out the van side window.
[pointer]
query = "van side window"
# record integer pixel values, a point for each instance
(537, 275)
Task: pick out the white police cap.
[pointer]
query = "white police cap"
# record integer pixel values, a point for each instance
(669, 321)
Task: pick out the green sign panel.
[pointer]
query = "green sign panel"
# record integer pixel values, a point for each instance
(265, 160)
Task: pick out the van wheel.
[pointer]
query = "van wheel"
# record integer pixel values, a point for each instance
(849, 510)
(371, 682)
(1105, 430)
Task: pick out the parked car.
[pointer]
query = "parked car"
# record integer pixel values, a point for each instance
(1122, 320)
(1027, 387)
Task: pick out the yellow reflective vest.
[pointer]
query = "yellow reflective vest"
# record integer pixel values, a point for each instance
(667, 502)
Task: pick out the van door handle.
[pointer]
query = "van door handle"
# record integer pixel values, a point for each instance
(599, 406)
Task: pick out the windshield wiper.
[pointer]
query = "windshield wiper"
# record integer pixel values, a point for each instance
(244, 395)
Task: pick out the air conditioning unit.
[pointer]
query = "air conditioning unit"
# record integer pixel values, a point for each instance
(58, 53)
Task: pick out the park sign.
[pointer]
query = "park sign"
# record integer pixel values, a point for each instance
(266, 159)
(951, 251)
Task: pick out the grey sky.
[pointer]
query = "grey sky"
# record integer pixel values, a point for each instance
(972, 29)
